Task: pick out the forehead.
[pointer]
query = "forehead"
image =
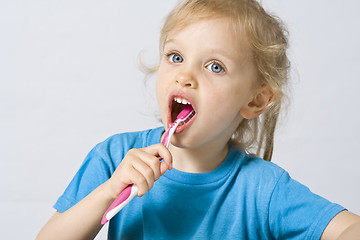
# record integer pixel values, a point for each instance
(220, 33)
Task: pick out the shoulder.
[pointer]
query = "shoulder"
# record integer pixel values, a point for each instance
(116, 146)
(128, 140)
(286, 206)
(133, 139)
(259, 170)
(257, 178)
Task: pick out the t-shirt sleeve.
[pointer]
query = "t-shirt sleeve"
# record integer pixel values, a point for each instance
(94, 171)
(297, 213)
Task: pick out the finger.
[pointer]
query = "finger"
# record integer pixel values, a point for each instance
(163, 168)
(153, 162)
(140, 181)
(161, 151)
(141, 166)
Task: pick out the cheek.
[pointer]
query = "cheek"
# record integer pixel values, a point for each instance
(157, 88)
(161, 94)
(163, 83)
(160, 80)
(229, 101)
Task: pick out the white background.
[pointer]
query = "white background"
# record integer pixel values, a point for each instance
(69, 78)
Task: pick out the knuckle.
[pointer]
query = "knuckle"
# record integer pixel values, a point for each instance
(159, 145)
(154, 163)
(133, 151)
(141, 181)
(149, 172)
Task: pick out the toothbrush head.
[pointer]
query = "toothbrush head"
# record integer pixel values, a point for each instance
(184, 116)
(186, 113)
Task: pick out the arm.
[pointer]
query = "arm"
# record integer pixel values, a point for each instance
(344, 225)
(83, 221)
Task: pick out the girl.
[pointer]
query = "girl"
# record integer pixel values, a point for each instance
(227, 59)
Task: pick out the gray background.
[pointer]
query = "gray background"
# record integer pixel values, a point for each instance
(69, 78)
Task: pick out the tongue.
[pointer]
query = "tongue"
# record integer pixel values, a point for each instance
(185, 112)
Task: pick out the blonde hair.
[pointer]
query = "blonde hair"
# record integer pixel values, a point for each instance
(268, 41)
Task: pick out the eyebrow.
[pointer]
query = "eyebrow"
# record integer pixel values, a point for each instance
(169, 40)
(227, 55)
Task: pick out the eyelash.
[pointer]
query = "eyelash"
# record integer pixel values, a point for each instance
(172, 54)
(218, 64)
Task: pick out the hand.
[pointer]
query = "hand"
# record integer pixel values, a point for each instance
(141, 167)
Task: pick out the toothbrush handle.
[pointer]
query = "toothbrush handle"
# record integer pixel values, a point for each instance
(124, 197)
(131, 191)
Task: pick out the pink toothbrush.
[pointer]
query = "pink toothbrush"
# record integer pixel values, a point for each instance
(131, 191)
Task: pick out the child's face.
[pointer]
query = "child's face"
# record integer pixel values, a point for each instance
(206, 65)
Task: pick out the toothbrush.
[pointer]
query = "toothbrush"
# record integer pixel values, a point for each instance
(131, 191)
(184, 116)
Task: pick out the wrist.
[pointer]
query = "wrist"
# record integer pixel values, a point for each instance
(113, 190)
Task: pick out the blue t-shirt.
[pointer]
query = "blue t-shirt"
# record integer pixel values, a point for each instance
(244, 198)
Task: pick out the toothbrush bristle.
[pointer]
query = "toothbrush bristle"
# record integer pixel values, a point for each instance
(188, 117)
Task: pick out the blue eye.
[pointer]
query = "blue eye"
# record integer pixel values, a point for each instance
(215, 67)
(175, 58)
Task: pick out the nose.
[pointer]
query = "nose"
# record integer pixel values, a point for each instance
(186, 79)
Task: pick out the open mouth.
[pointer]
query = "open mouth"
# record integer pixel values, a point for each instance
(177, 105)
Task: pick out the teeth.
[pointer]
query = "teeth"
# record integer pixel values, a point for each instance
(182, 101)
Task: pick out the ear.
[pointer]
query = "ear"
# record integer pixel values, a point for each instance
(258, 103)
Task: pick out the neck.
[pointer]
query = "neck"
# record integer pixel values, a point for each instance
(198, 160)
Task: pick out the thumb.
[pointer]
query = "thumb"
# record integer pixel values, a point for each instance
(164, 167)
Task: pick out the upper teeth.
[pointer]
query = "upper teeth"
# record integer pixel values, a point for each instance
(183, 101)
